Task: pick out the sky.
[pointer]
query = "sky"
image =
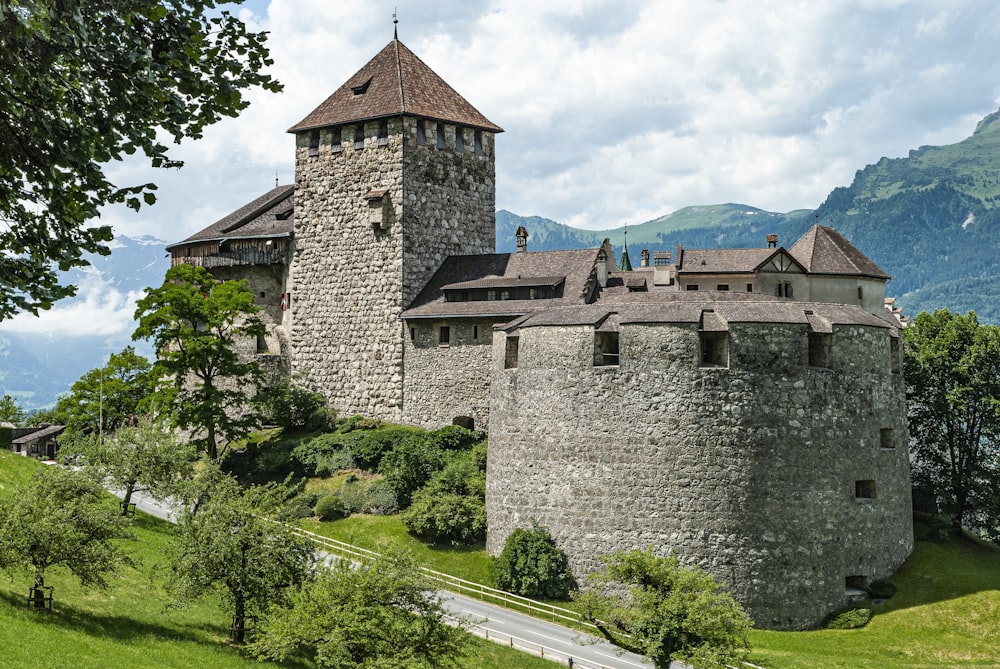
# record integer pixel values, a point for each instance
(615, 111)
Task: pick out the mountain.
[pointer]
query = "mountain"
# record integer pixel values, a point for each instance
(41, 358)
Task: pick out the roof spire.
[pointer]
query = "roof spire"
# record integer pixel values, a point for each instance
(395, 22)
(276, 178)
(625, 265)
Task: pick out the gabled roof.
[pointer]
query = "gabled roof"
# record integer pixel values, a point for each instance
(825, 251)
(729, 261)
(393, 83)
(536, 268)
(39, 433)
(270, 215)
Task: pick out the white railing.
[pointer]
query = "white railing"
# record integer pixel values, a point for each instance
(507, 600)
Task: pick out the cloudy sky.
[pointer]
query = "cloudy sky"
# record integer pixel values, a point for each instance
(618, 111)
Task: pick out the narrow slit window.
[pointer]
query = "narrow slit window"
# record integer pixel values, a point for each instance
(314, 143)
(478, 140)
(421, 132)
(475, 332)
(894, 355)
(606, 351)
(359, 136)
(440, 136)
(510, 352)
(335, 140)
(444, 335)
(261, 343)
(459, 139)
(383, 132)
(413, 334)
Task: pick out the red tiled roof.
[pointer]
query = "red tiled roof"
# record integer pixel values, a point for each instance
(392, 83)
(825, 251)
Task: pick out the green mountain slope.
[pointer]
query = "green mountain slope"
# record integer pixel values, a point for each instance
(931, 220)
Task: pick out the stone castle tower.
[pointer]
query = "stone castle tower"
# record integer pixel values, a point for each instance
(394, 172)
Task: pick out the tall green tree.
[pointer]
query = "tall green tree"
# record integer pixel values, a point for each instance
(144, 457)
(86, 83)
(951, 364)
(106, 398)
(229, 546)
(667, 612)
(62, 518)
(11, 411)
(198, 325)
(382, 614)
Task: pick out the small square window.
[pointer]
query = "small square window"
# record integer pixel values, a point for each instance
(820, 346)
(864, 489)
(749, 287)
(886, 438)
(714, 349)
(605, 349)
(856, 582)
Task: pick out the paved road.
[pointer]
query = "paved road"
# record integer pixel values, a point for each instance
(500, 625)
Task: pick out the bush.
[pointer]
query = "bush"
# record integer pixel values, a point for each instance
(330, 507)
(532, 565)
(455, 438)
(850, 618)
(359, 422)
(370, 446)
(334, 462)
(881, 589)
(291, 406)
(375, 497)
(446, 517)
(409, 466)
(300, 506)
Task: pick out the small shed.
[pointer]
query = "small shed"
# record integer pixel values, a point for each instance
(37, 442)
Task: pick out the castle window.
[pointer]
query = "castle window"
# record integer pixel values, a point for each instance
(459, 139)
(314, 143)
(784, 289)
(504, 294)
(363, 88)
(864, 489)
(861, 293)
(714, 348)
(722, 286)
(261, 343)
(359, 136)
(421, 132)
(885, 438)
(491, 295)
(413, 334)
(335, 139)
(820, 346)
(856, 582)
(440, 136)
(605, 349)
(383, 132)
(444, 335)
(475, 332)
(749, 287)
(894, 354)
(692, 286)
(510, 352)
(477, 139)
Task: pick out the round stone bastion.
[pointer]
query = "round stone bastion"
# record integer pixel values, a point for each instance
(764, 443)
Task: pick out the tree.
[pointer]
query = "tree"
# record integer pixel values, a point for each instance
(145, 457)
(106, 398)
(11, 411)
(952, 368)
(452, 506)
(62, 518)
(531, 565)
(653, 606)
(87, 83)
(230, 546)
(383, 614)
(197, 324)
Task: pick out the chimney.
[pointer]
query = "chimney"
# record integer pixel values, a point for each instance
(522, 239)
(772, 241)
(679, 256)
(644, 258)
(602, 263)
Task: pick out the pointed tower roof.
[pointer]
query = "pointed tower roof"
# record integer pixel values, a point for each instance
(625, 265)
(395, 82)
(825, 251)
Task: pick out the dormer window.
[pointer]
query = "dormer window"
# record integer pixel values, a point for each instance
(362, 88)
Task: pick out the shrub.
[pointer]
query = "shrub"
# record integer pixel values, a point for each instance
(849, 618)
(410, 465)
(446, 517)
(881, 589)
(334, 462)
(532, 565)
(291, 406)
(370, 446)
(359, 422)
(455, 438)
(330, 507)
(375, 497)
(300, 506)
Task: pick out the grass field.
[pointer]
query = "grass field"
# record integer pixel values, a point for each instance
(131, 624)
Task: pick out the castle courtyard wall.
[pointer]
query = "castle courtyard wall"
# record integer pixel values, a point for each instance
(749, 471)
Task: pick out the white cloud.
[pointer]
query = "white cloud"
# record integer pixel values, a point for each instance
(614, 110)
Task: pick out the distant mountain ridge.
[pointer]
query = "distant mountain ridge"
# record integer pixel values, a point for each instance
(931, 220)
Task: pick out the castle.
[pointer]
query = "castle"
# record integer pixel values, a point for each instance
(743, 407)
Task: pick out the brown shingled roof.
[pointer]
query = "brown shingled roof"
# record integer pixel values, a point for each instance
(725, 261)
(823, 250)
(269, 215)
(395, 82)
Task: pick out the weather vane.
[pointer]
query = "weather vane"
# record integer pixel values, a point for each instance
(395, 21)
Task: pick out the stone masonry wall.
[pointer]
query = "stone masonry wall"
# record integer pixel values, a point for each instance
(350, 278)
(447, 380)
(748, 471)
